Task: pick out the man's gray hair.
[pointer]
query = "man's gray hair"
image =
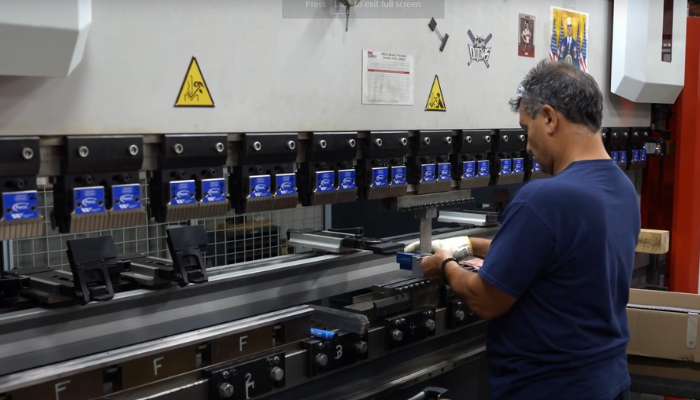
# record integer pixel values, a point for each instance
(565, 88)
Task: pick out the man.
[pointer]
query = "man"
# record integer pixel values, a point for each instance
(568, 44)
(525, 37)
(555, 279)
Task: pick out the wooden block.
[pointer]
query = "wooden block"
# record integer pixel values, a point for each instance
(652, 241)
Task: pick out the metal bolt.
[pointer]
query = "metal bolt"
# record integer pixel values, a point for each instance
(361, 347)
(426, 141)
(83, 151)
(626, 134)
(636, 134)
(448, 140)
(487, 139)
(270, 360)
(614, 134)
(27, 153)
(257, 146)
(276, 374)
(225, 374)
(352, 143)
(459, 315)
(291, 145)
(404, 141)
(522, 138)
(397, 335)
(505, 138)
(378, 142)
(323, 144)
(605, 135)
(646, 134)
(220, 147)
(226, 390)
(133, 149)
(468, 139)
(276, 360)
(178, 148)
(321, 360)
(430, 325)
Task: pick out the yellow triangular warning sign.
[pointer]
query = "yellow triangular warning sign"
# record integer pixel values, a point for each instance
(436, 101)
(194, 91)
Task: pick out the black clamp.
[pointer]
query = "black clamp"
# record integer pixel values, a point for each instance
(189, 182)
(99, 186)
(19, 166)
(327, 173)
(186, 245)
(10, 288)
(429, 167)
(381, 170)
(616, 142)
(509, 156)
(471, 165)
(636, 152)
(265, 179)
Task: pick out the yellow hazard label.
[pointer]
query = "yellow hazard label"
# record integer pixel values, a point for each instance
(194, 91)
(436, 101)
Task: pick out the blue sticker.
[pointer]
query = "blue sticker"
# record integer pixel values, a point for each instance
(483, 168)
(182, 193)
(20, 205)
(623, 157)
(642, 155)
(505, 166)
(286, 184)
(535, 165)
(346, 179)
(469, 169)
(615, 156)
(260, 186)
(398, 175)
(635, 155)
(89, 200)
(445, 172)
(325, 181)
(380, 177)
(213, 190)
(427, 173)
(126, 197)
(518, 166)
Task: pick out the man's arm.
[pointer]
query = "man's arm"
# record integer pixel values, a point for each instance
(480, 246)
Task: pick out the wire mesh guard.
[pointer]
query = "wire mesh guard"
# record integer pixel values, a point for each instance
(232, 239)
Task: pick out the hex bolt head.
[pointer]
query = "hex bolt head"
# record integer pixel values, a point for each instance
(430, 325)
(378, 142)
(352, 143)
(505, 138)
(276, 360)
(459, 315)
(291, 145)
(276, 374)
(448, 140)
(83, 151)
(361, 347)
(27, 153)
(404, 141)
(522, 138)
(397, 335)
(133, 149)
(225, 390)
(220, 147)
(178, 148)
(321, 360)
(225, 374)
(468, 139)
(323, 144)
(257, 146)
(487, 139)
(426, 141)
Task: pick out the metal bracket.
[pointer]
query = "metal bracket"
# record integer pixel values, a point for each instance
(429, 167)
(443, 39)
(89, 260)
(509, 155)
(471, 159)
(20, 161)
(470, 217)
(381, 170)
(186, 245)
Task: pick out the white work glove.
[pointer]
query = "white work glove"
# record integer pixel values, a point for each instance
(460, 247)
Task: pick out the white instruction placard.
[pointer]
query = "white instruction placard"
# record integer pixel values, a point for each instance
(387, 78)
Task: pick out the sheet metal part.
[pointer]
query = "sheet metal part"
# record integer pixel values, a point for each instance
(475, 218)
(415, 202)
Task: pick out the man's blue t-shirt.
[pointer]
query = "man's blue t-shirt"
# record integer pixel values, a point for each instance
(565, 250)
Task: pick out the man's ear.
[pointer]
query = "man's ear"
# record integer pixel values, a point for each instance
(551, 119)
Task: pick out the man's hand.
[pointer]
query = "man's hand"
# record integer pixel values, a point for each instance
(459, 247)
(431, 265)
